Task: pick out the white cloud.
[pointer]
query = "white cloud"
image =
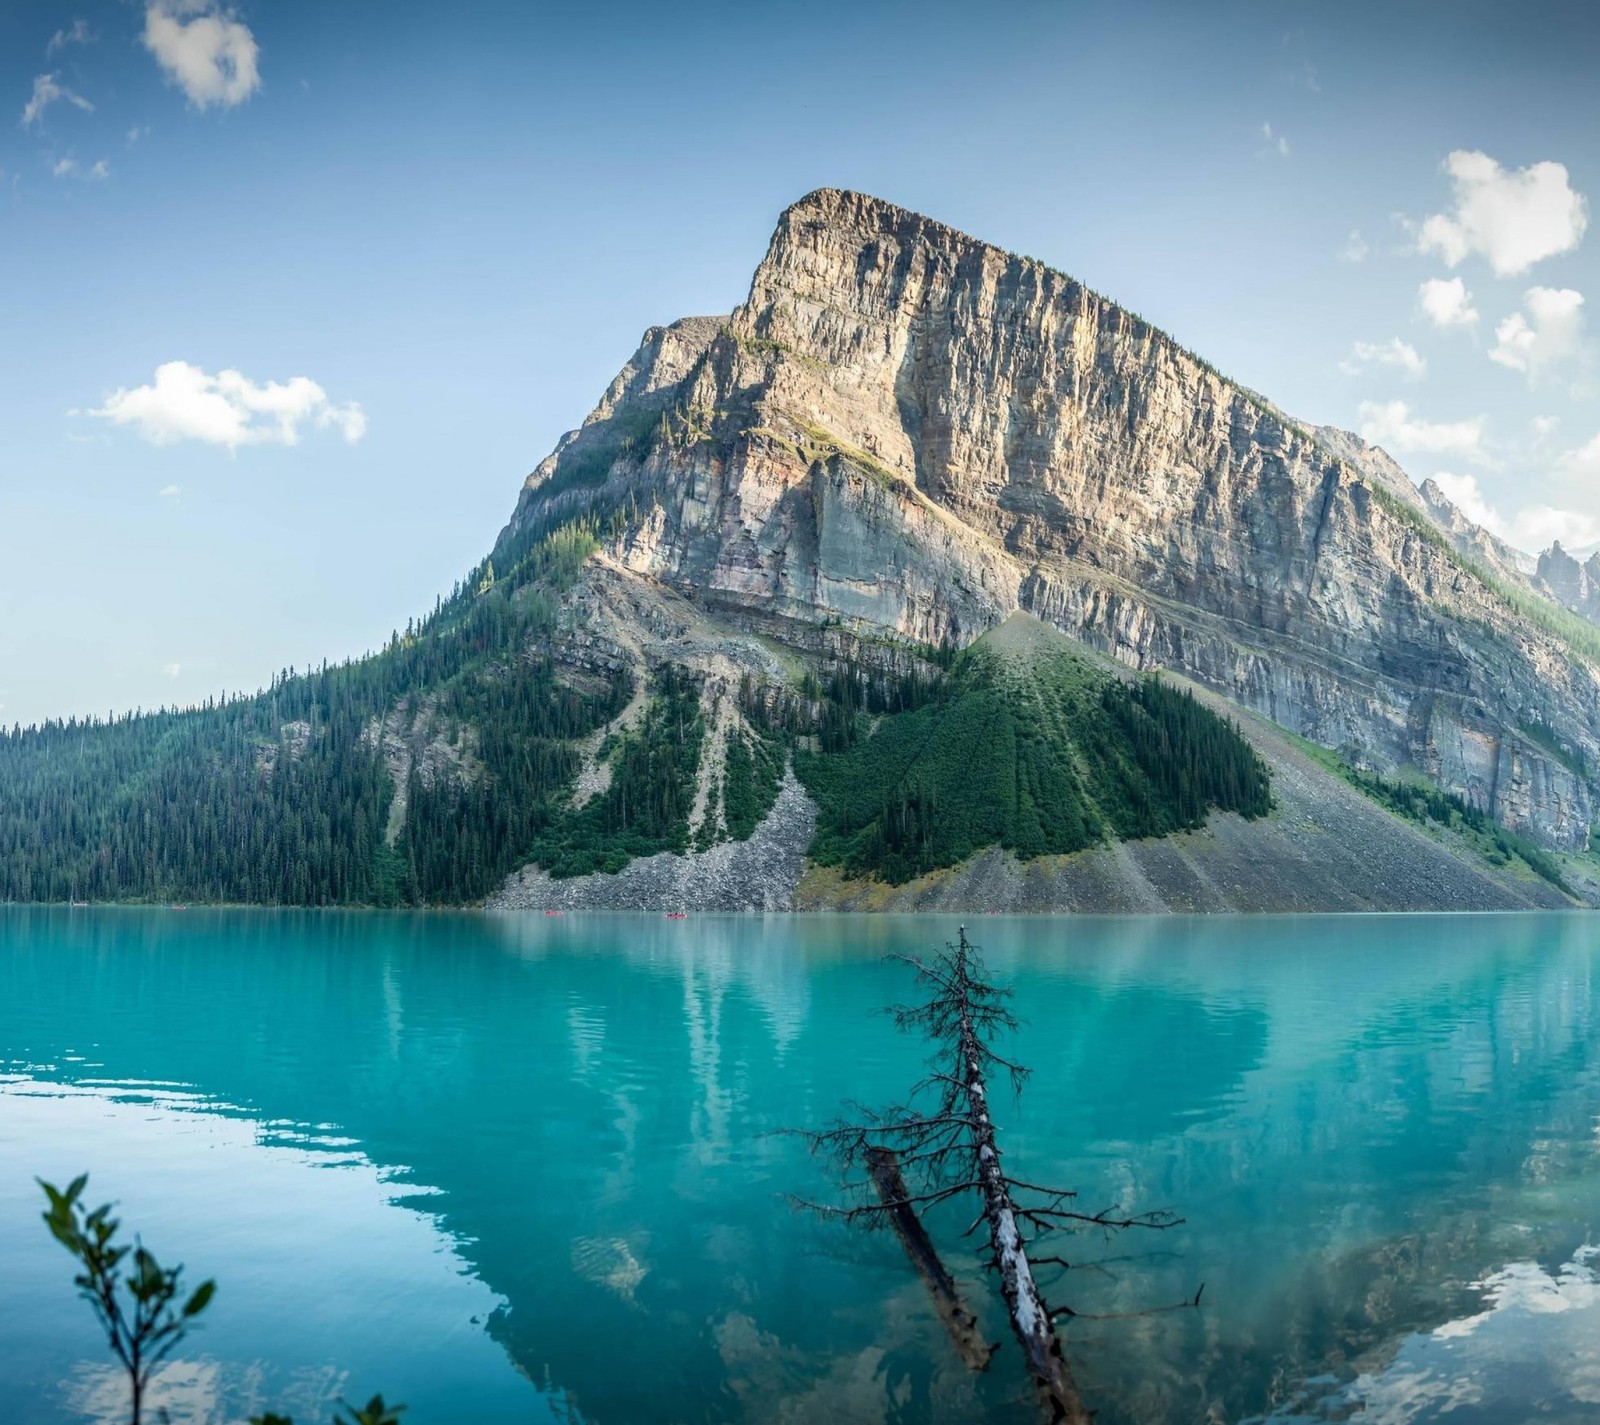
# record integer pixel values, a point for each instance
(1355, 247)
(1551, 332)
(68, 167)
(1582, 463)
(46, 91)
(172, 669)
(1536, 526)
(1512, 218)
(137, 132)
(1276, 141)
(1464, 494)
(1393, 352)
(170, 492)
(186, 403)
(1544, 426)
(1391, 424)
(78, 33)
(203, 49)
(1446, 302)
(1532, 528)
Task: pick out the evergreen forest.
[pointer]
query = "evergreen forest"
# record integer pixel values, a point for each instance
(297, 796)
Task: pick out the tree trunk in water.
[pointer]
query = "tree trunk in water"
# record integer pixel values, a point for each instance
(1030, 1317)
(884, 1166)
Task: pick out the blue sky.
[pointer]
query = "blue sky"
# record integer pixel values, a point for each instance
(423, 238)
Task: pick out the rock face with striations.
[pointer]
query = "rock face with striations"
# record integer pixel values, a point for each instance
(905, 431)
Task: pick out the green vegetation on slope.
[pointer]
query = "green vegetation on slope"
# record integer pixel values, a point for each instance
(751, 773)
(1543, 735)
(1044, 759)
(281, 798)
(627, 437)
(1425, 804)
(646, 807)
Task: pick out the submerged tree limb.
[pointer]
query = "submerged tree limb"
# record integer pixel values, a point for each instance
(883, 1165)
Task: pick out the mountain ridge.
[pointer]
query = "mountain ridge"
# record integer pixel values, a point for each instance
(774, 534)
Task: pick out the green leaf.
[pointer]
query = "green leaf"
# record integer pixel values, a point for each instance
(201, 1298)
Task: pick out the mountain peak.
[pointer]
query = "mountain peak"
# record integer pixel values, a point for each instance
(845, 207)
(837, 246)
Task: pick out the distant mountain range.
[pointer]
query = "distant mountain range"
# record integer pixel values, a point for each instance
(856, 597)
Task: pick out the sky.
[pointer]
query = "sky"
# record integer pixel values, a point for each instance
(293, 295)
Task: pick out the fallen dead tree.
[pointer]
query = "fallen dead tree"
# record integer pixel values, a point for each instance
(946, 1141)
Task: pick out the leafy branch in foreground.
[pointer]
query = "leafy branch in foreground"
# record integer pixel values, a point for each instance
(946, 1140)
(144, 1311)
(140, 1311)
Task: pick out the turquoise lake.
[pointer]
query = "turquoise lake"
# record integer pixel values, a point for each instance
(523, 1168)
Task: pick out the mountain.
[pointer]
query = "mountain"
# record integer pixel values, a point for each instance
(1569, 581)
(1471, 540)
(792, 546)
(1573, 585)
(908, 430)
(1375, 464)
(1572, 582)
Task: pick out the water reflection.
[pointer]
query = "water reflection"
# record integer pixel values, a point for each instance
(1532, 1353)
(302, 1229)
(1359, 1119)
(204, 1392)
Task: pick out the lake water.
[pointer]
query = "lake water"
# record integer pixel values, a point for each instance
(526, 1168)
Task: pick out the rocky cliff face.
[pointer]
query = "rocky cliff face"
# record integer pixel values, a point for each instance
(1376, 465)
(908, 434)
(1473, 540)
(1373, 462)
(1572, 585)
